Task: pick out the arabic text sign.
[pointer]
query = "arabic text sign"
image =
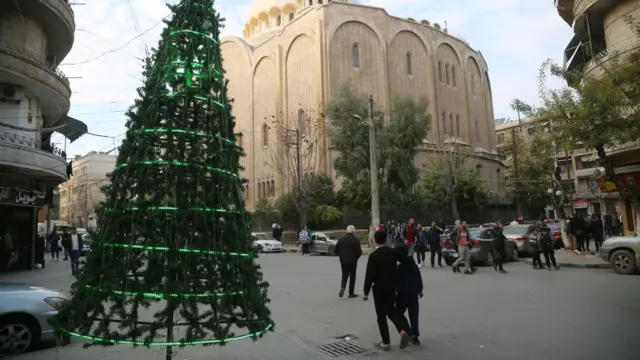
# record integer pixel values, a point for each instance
(11, 196)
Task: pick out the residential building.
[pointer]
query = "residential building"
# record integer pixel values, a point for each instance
(82, 193)
(601, 34)
(35, 36)
(296, 55)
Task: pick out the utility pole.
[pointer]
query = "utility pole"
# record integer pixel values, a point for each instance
(514, 151)
(373, 157)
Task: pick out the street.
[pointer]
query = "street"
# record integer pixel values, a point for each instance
(525, 314)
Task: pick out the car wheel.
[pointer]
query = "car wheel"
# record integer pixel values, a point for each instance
(331, 251)
(623, 262)
(489, 260)
(514, 254)
(259, 249)
(20, 334)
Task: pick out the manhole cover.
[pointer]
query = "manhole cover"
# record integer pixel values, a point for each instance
(341, 348)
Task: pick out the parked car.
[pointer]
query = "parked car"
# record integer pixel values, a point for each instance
(623, 252)
(520, 234)
(24, 311)
(323, 243)
(482, 244)
(264, 242)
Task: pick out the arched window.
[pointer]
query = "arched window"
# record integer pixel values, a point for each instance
(290, 16)
(453, 75)
(279, 20)
(310, 2)
(458, 125)
(444, 122)
(273, 188)
(356, 56)
(265, 135)
(258, 191)
(451, 124)
(473, 84)
(446, 67)
(440, 70)
(409, 69)
(301, 122)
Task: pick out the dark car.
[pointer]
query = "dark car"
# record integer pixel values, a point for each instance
(482, 244)
(521, 234)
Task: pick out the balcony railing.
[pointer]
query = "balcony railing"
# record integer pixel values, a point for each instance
(22, 140)
(622, 46)
(39, 59)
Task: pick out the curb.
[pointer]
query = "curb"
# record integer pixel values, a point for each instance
(580, 266)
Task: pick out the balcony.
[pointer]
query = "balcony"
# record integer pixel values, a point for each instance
(29, 70)
(565, 10)
(29, 157)
(602, 57)
(55, 17)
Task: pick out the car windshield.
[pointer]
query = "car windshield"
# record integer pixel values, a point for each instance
(473, 233)
(331, 236)
(515, 230)
(263, 237)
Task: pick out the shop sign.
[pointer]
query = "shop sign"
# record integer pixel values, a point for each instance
(580, 204)
(9, 196)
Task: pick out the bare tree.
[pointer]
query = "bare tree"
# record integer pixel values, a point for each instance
(297, 154)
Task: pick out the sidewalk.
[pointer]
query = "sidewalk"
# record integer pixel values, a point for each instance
(569, 259)
(276, 346)
(294, 249)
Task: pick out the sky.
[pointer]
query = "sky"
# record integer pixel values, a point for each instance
(514, 36)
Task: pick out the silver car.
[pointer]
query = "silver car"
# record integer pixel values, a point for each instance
(323, 243)
(623, 253)
(24, 311)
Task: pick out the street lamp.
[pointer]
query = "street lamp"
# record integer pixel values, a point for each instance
(373, 166)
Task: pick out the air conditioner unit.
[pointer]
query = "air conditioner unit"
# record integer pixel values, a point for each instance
(8, 91)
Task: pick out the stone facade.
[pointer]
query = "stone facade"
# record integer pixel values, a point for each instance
(296, 56)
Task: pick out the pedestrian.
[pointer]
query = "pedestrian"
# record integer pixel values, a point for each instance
(410, 233)
(72, 243)
(421, 246)
(578, 229)
(464, 249)
(409, 291)
(304, 239)
(65, 234)
(435, 243)
(615, 224)
(499, 250)
(381, 276)
(54, 245)
(348, 249)
(545, 240)
(597, 231)
(276, 231)
(608, 223)
(398, 235)
(571, 238)
(536, 251)
(391, 227)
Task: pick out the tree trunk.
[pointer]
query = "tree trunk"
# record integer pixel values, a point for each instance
(302, 208)
(564, 198)
(454, 208)
(605, 161)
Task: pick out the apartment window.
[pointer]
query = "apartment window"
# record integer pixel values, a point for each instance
(451, 124)
(453, 75)
(290, 16)
(458, 125)
(444, 122)
(440, 71)
(446, 67)
(265, 135)
(408, 60)
(356, 56)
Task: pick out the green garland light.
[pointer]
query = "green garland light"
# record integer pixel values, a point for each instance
(196, 97)
(154, 295)
(188, 132)
(175, 208)
(170, 343)
(180, 163)
(194, 33)
(181, 250)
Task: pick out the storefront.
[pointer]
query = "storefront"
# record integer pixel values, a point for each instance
(628, 178)
(18, 224)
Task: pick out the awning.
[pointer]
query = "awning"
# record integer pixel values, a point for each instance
(71, 128)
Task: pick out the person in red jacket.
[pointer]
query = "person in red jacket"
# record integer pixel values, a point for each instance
(410, 233)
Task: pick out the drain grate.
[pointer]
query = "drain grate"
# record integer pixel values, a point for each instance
(341, 348)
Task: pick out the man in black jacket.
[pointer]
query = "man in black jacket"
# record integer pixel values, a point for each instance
(433, 240)
(546, 242)
(382, 275)
(499, 249)
(349, 250)
(409, 290)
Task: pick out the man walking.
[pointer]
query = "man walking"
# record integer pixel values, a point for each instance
(381, 275)
(410, 235)
(433, 240)
(499, 250)
(409, 290)
(72, 244)
(546, 246)
(349, 251)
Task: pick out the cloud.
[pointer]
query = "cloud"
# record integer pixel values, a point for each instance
(514, 36)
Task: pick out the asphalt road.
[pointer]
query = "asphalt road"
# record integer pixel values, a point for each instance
(525, 314)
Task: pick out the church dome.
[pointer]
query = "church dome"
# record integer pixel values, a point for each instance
(266, 15)
(265, 6)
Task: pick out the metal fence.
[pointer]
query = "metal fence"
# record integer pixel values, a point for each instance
(33, 143)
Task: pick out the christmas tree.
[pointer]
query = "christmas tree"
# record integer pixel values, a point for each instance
(171, 263)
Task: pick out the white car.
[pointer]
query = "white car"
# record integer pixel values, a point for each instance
(263, 242)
